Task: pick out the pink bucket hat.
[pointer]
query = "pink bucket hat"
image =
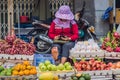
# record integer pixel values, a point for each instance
(64, 12)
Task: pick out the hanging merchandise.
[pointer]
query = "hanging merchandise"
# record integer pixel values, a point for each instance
(106, 14)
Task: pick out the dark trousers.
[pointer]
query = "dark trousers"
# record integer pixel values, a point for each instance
(64, 48)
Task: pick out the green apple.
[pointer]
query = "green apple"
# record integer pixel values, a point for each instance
(1, 68)
(3, 73)
(60, 67)
(43, 68)
(49, 67)
(8, 73)
(41, 64)
(69, 67)
(47, 62)
(54, 68)
(67, 64)
(9, 70)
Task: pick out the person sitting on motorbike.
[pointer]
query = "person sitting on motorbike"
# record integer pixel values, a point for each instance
(63, 28)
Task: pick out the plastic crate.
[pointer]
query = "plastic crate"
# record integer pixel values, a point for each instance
(38, 58)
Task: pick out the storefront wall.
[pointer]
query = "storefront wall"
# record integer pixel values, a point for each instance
(89, 13)
(101, 26)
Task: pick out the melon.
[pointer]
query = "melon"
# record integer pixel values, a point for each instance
(46, 76)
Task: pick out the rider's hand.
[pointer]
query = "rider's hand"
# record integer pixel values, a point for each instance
(57, 37)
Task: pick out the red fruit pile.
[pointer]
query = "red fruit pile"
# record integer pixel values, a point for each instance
(92, 65)
(14, 45)
(111, 42)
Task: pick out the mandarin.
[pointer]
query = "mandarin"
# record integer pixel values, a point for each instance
(33, 71)
(26, 72)
(15, 72)
(26, 63)
(21, 73)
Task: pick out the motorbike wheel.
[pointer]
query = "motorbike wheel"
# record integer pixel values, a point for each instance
(42, 46)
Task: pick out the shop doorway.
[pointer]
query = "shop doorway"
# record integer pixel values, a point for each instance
(45, 9)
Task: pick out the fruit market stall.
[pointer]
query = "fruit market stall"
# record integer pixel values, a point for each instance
(89, 62)
(19, 71)
(16, 57)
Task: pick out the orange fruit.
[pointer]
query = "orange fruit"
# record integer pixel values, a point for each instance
(33, 67)
(18, 64)
(23, 67)
(17, 68)
(26, 63)
(29, 67)
(33, 71)
(26, 72)
(15, 72)
(21, 73)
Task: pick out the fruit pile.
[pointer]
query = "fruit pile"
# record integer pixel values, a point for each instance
(47, 66)
(111, 42)
(92, 65)
(116, 65)
(79, 76)
(24, 68)
(5, 72)
(13, 45)
(86, 47)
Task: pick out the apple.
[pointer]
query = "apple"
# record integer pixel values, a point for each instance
(8, 73)
(43, 68)
(41, 64)
(67, 64)
(49, 67)
(47, 62)
(1, 68)
(54, 68)
(60, 67)
(69, 67)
